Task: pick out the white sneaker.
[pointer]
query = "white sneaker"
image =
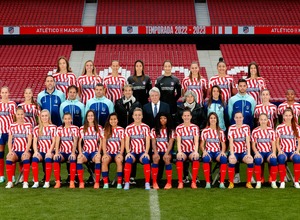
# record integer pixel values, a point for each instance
(46, 185)
(297, 186)
(25, 185)
(21, 178)
(258, 185)
(273, 185)
(35, 185)
(237, 178)
(282, 185)
(9, 185)
(2, 179)
(253, 180)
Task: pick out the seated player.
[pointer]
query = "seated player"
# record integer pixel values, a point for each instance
(239, 145)
(264, 148)
(113, 149)
(212, 137)
(162, 138)
(65, 148)
(187, 135)
(137, 144)
(19, 142)
(91, 134)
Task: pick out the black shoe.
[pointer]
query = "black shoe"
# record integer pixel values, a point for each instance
(132, 181)
(90, 180)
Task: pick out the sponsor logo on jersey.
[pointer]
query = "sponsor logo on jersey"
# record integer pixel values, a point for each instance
(44, 137)
(223, 86)
(66, 138)
(20, 135)
(88, 86)
(90, 137)
(241, 139)
(113, 86)
(162, 139)
(139, 136)
(286, 136)
(190, 137)
(114, 139)
(194, 87)
(263, 140)
(167, 88)
(139, 87)
(212, 140)
(4, 113)
(60, 83)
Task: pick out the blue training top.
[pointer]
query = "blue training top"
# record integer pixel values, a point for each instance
(52, 102)
(220, 109)
(245, 104)
(102, 107)
(75, 108)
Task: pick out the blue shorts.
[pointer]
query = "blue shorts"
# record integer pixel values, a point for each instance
(90, 156)
(19, 155)
(239, 156)
(288, 155)
(137, 156)
(213, 155)
(66, 156)
(3, 138)
(265, 155)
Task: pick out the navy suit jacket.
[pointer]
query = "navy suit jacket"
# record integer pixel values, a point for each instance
(148, 117)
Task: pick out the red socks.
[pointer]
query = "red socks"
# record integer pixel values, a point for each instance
(154, 171)
(231, 172)
(195, 167)
(48, 171)
(223, 168)
(206, 170)
(169, 176)
(282, 172)
(80, 175)
(249, 174)
(35, 171)
(127, 171)
(147, 173)
(179, 167)
(257, 171)
(57, 171)
(72, 171)
(297, 171)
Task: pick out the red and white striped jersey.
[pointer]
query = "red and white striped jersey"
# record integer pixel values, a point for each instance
(44, 140)
(225, 83)
(287, 138)
(295, 106)
(239, 137)
(113, 144)
(31, 112)
(212, 139)
(19, 135)
(7, 112)
(270, 110)
(114, 86)
(67, 136)
(137, 134)
(63, 81)
(87, 85)
(91, 138)
(255, 86)
(196, 86)
(162, 141)
(263, 138)
(187, 135)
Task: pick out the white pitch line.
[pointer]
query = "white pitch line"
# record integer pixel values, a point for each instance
(154, 205)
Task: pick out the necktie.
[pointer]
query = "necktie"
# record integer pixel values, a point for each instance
(155, 110)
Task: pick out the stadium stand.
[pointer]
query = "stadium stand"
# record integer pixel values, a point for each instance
(26, 66)
(154, 12)
(253, 12)
(153, 55)
(14, 12)
(276, 62)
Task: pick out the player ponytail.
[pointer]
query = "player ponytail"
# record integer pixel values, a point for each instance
(293, 122)
(221, 60)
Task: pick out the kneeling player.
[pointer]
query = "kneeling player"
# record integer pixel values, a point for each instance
(239, 144)
(211, 139)
(137, 144)
(187, 135)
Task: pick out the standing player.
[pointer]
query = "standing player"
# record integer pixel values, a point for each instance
(65, 148)
(113, 149)
(187, 135)
(101, 105)
(216, 104)
(288, 146)
(290, 102)
(64, 76)
(169, 86)
(19, 142)
(224, 81)
(264, 148)
(141, 83)
(73, 106)
(196, 83)
(91, 135)
(212, 137)
(255, 83)
(162, 138)
(240, 149)
(43, 146)
(87, 81)
(266, 107)
(51, 100)
(30, 107)
(137, 144)
(7, 112)
(114, 83)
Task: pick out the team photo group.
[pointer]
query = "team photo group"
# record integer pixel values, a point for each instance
(90, 121)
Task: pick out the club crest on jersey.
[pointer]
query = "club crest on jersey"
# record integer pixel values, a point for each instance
(172, 83)
(247, 107)
(77, 112)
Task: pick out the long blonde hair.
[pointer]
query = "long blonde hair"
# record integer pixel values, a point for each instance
(94, 72)
(41, 125)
